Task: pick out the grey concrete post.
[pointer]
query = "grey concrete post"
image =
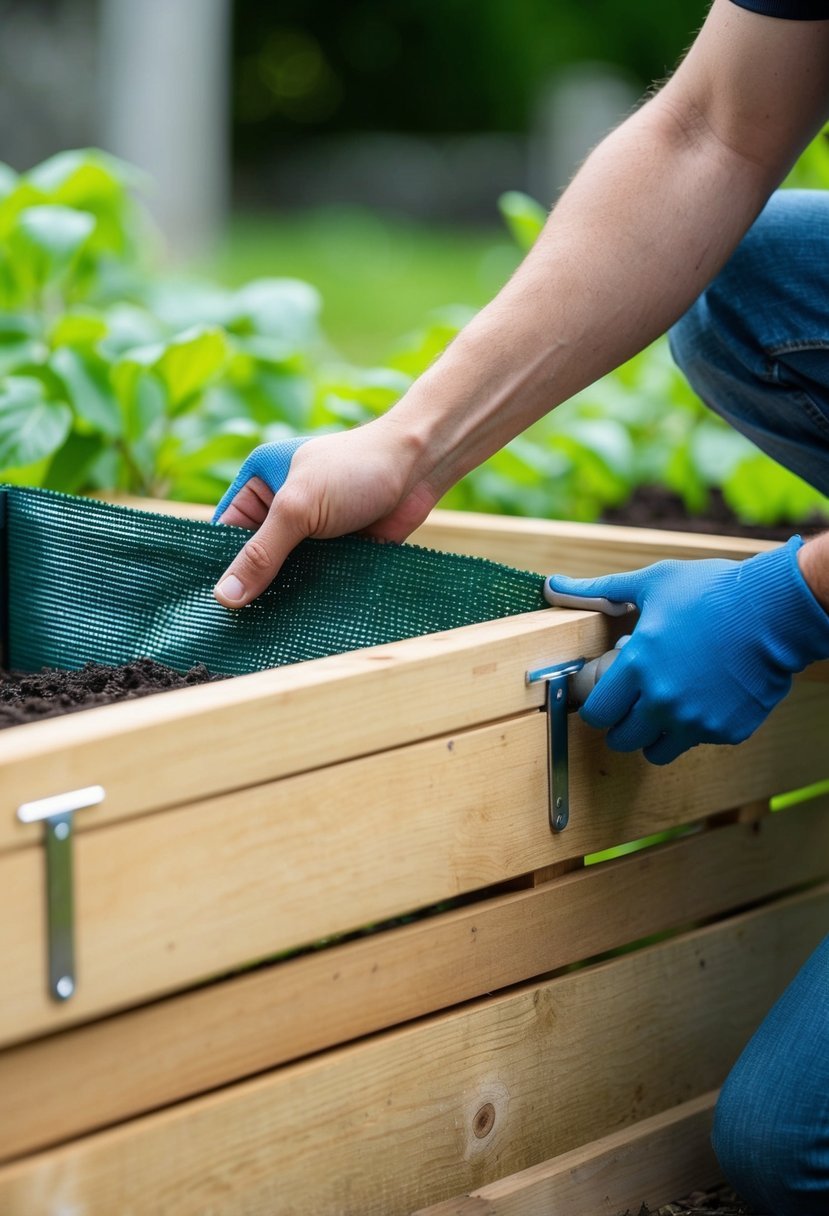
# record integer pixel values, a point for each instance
(164, 68)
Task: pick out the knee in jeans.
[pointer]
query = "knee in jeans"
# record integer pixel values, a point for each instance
(767, 1161)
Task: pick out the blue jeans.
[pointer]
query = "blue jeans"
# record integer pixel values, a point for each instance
(755, 347)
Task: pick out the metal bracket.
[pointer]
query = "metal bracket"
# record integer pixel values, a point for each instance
(57, 812)
(557, 704)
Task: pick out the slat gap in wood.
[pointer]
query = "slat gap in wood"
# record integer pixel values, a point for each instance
(219, 884)
(61, 1086)
(389, 1124)
(750, 812)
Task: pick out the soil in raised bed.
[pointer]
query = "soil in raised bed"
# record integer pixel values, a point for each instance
(51, 692)
(656, 507)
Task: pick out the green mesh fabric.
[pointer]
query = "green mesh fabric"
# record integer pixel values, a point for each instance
(83, 580)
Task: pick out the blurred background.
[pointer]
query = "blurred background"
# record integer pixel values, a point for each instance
(359, 145)
(292, 209)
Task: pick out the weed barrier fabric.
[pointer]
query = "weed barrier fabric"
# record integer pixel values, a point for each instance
(85, 581)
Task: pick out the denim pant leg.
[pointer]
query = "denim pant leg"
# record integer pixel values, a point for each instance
(755, 345)
(771, 1129)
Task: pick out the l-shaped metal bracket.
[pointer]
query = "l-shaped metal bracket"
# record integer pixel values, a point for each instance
(58, 812)
(557, 679)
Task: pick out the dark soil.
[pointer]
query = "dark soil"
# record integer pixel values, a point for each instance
(720, 1201)
(50, 693)
(655, 507)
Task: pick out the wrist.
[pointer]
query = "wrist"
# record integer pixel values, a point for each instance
(813, 561)
(782, 608)
(490, 383)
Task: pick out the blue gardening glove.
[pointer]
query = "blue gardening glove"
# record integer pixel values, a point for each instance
(712, 653)
(270, 462)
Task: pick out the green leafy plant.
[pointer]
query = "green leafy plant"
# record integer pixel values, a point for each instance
(114, 378)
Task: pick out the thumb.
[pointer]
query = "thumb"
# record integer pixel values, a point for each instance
(624, 588)
(259, 560)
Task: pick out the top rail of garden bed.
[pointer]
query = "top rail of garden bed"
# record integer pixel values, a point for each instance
(162, 751)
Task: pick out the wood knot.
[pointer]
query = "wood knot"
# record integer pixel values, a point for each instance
(484, 1121)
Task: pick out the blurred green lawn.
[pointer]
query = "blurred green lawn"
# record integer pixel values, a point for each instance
(380, 276)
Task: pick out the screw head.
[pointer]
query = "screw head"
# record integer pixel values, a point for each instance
(61, 830)
(559, 693)
(64, 987)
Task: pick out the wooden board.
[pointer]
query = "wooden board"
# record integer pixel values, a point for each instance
(65, 1085)
(544, 545)
(581, 550)
(218, 884)
(389, 1124)
(653, 1162)
(161, 751)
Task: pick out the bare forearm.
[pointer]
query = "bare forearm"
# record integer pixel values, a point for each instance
(648, 221)
(646, 224)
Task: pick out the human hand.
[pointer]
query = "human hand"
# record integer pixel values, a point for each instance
(355, 481)
(712, 653)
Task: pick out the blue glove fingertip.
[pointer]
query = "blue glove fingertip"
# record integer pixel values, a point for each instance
(270, 461)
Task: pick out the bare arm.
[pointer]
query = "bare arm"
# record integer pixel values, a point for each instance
(649, 219)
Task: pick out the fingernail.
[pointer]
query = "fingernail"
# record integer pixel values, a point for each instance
(231, 588)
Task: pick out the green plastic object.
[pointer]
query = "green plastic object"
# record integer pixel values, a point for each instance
(82, 580)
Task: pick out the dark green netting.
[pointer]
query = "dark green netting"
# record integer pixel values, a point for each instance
(83, 580)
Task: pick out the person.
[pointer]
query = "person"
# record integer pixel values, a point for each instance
(671, 223)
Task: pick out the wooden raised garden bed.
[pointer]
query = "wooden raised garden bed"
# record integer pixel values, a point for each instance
(236, 1043)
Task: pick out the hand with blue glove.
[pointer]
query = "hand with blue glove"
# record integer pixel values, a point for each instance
(713, 651)
(365, 480)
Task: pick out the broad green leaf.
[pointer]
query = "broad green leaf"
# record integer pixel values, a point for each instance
(221, 448)
(189, 362)
(93, 181)
(716, 450)
(46, 239)
(681, 476)
(78, 328)
(127, 373)
(287, 309)
(69, 469)
(129, 327)
(20, 343)
(89, 389)
(763, 492)
(20, 198)
(358, 394)
(81, 175)
(269, 396)
(31, 426)
(185, 365)
(419, 350)
(608, 441)
(524, 217)
(56, 231)
(182, 303)
(21, 354)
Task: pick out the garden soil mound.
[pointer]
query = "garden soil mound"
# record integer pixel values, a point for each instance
(50, 693)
